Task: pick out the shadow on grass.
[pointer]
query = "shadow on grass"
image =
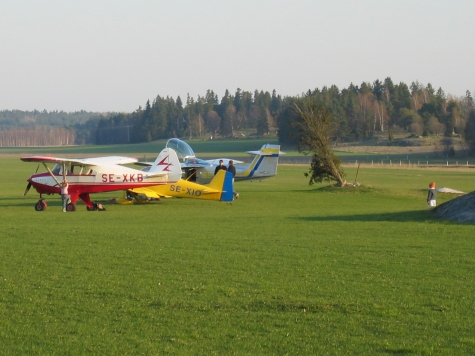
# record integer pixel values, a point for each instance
(338, 190)
(20, 202)
(405, 216)
(403, 351)
(52, 201)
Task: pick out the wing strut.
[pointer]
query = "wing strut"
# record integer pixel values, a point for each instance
(51, 173)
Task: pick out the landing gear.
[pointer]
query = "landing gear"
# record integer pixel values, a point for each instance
(40, 205)
(94, 207)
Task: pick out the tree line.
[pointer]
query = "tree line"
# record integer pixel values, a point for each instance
(37, 136)
(206, 116)
(43, 128)
(359, 112)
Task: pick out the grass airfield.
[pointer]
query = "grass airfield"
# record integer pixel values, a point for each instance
(287, 269)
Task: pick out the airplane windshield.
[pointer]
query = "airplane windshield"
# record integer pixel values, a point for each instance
(57, 168)
(183, 150)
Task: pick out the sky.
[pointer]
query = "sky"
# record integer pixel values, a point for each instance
(114, 55)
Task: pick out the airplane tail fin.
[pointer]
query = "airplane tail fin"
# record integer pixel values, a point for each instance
(264, 163)
(168, 163)
(223, 181)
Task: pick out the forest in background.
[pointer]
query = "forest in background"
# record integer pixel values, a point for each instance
(359, 112)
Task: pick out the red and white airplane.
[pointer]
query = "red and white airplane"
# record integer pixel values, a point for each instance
(101, 174)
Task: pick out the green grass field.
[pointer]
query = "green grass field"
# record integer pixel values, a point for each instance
(200, 147)
(287, 269)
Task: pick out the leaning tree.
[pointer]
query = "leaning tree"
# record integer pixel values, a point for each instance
(315, 133)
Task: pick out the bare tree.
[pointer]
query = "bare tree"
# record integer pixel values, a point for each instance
(435, 127)
(227, 126)
(416, 128)
(37, 136)
(381, 116)
(315, 133)
(213, 121)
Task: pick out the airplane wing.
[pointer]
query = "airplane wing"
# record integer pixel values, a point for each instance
(145, 191)
(194, 163)
(225, 161)
(266, 152)
(94, 161)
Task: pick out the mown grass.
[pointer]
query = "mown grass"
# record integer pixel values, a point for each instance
(202, 148)
(286, 269)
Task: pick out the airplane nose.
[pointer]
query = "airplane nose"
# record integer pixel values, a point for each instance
(29, 182)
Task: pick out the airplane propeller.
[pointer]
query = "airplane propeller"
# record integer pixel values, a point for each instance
(28, 186)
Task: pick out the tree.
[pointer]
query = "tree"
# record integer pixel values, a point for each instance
(378, 89)
(408, 117)
(213, 121)
(315, 133)
(367, 118)
(262, 123)
(435, 127)
(390, 135)
(227, 125)
(470, 132)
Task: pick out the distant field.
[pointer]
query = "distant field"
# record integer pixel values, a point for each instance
(376, 155)
(201, 148)
(287, 269)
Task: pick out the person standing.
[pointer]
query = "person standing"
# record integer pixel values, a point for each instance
(432, 195)
(219, 167)
(65, 194)
(232, 169)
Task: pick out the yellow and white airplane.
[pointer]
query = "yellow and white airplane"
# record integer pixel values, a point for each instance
(219, 189)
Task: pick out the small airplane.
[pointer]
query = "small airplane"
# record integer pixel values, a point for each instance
(264, 164)
(220, 189)
(97, 175)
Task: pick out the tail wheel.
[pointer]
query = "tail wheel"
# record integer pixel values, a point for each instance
(71, 207)
(94, 207)
(40, 205)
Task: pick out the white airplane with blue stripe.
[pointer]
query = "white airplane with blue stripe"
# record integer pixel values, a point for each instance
(263, 165)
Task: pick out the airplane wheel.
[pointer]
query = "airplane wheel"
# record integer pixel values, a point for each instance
(94, 207)
(70, 207)
(40, 205)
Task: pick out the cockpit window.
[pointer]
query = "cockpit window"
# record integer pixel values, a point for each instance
(57, 168)
(183, 150)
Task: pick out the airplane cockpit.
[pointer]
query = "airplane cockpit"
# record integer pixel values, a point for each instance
(57, 169)
(72, 169)
(185, 153)
(182, 149)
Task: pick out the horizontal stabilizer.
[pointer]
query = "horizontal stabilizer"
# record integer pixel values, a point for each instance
(268, 150)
